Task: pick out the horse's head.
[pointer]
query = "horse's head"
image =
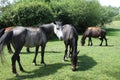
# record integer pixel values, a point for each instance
(74, 59)
(58, 30)
(82, 42)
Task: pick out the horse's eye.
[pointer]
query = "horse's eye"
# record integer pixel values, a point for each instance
(57, 28)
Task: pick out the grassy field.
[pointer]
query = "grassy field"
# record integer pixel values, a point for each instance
(94, 62)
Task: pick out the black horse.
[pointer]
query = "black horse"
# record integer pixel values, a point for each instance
(95, 32)
(29, 37)
(70, 37)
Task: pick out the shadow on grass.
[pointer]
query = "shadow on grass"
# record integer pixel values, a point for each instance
(85, 63)
(41, 71)
(109, 45)
(40, 52)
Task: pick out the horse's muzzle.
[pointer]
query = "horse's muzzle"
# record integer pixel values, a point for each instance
(73, 68)
(61, 38)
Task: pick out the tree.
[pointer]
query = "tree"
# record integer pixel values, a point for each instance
(107, 13)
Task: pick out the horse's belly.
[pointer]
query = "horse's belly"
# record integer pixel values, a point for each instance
(31, 42)
(34, 39)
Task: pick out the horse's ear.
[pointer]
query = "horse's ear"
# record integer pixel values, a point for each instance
(58, 22)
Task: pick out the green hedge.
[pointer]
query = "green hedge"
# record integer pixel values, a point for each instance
(27, 14)
(80, 13)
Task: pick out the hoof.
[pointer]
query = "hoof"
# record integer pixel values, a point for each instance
(34, 64)
(23, 70)
(63, 60)
(43, 64)
(73, 69)
(16, 74)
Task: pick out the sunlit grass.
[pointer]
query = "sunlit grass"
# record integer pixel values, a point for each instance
(94, 62)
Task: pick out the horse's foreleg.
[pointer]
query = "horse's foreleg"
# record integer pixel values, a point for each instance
(101, 41)
(9, 48)
(70, 52)
(36, 53)
(66, 50)
(90, 42)
(28, 49)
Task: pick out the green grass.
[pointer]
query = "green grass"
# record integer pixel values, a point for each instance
(94, 62)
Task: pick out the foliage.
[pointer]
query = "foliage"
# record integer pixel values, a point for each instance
(117, 17)
(28, 13)
(107, 13)
(80, 13)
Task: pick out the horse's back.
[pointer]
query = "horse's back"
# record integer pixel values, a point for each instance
(34, 37)
(94, 28)
(69, 32)
(8, 29)
(18, 30)
(95, 31)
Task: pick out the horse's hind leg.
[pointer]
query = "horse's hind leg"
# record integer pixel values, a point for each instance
(14, 58)
(20, 66)
(9, 48)
(42, 54)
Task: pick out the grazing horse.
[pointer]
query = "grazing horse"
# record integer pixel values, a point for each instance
(95, 32)
(70, 37)
(28, 37)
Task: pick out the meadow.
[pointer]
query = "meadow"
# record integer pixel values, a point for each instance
(94, 62)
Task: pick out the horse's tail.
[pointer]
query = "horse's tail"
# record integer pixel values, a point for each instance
(6, 37)
(2, 31)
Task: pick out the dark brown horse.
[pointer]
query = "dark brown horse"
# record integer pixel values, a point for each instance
(95, 32)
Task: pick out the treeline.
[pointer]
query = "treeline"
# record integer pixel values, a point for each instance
(80, 13)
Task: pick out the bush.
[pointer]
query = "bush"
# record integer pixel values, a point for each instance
(27, 14)
(79, 13)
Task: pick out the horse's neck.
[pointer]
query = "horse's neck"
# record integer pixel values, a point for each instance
(48, 31)
(84, 36)
(74, 46)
